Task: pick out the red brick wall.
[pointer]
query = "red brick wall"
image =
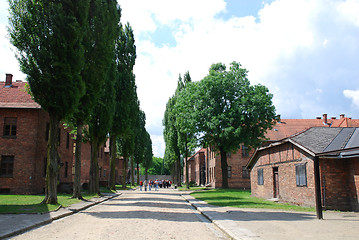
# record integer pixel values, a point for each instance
(236, 161)
(23, 148)
(340, 183)
(284, 157)
(29, 151)
(355, 171)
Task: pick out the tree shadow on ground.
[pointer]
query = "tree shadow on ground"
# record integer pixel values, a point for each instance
(152, 204)
(243, 215)
(155, 215)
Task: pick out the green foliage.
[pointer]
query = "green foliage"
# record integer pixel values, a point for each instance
(140, 137)
(230, 111)
(49, 36)
(148, 155)
(126, 97)
(101, 32)
(157, 167)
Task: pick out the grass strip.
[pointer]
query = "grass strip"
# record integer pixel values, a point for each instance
(243, 199)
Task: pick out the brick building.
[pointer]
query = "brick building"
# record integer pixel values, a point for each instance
(23, 143)
(196, 167)
(238, 174)
(285, 169)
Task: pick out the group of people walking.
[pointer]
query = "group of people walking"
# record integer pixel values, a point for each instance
(155, 184)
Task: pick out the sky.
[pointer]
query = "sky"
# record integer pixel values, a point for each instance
(305, 51)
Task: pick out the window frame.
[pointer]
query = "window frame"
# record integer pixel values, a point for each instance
(301, 175)
(229, 171)
(260, 176)
(245, 151)
(8, 162)
(11, 124)
(245, 172)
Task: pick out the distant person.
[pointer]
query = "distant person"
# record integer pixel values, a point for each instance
(141, 184)
(145, 183)
(156, 185)
(149, 185)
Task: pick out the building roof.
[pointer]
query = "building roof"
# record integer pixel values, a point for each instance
(199, 151)
(15, 96)
(290, 127)
(336, 142)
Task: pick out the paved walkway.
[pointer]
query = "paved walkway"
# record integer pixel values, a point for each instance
(238, 223)
(243, 223)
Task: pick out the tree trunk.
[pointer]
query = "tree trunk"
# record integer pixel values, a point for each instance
(52, 168)
(224, 167)
(132, 172)
(124, 174)
(113, 150)
(77, 178)
(146, 174)
(178, 171)
(94, 185)
(186, 161)
(138, 174)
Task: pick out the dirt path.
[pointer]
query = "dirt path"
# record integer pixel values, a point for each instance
(133, 215)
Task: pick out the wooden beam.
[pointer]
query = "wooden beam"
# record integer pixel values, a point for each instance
(318, 192)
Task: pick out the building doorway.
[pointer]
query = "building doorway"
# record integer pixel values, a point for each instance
(275, 183)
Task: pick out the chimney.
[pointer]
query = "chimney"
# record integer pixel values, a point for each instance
(319, 117)
(334, 117)
(278, 118)
(342, 116)
(8, 81)
(325, 118)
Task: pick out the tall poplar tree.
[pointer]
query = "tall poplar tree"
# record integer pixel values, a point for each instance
(49, 35)
(185, 121)
(125, 55)
(101, 33)
(140, 132)
(148, 155)
(100, 124)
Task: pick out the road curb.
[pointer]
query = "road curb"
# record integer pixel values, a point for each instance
(66, 212)
(227, 231)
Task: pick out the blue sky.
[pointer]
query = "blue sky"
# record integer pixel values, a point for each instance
(305, 51)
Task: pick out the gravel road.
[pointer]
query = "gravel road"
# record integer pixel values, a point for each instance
(162, 214)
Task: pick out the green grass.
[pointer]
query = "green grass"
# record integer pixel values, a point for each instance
(184, 188)
(243, 199)
(32, 203)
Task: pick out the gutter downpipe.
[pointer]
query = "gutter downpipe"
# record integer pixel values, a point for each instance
(318, 194)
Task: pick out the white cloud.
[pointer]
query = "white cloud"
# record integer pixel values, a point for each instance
(158, 145)
(353, 95)
(305, 51)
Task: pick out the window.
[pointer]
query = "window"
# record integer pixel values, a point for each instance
(245, 172)
(10, 126)
(260, 176)
(7, 166)
(229, 169)
(245, 152)
(301, 175)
